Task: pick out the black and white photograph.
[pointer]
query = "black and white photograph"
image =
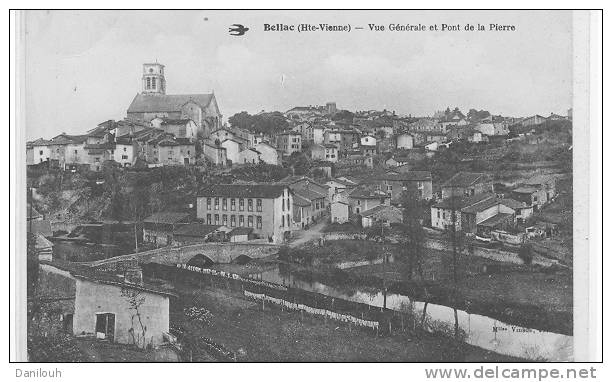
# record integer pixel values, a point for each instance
(302, 186)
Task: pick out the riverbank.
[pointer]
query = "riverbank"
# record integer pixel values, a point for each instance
(540, 300)
(527, 295)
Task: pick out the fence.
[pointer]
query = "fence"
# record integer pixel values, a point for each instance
(315, 311)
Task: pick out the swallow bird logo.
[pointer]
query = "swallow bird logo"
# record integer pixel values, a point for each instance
(237, 29)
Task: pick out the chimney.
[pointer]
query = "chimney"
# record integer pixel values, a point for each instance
(133, 275)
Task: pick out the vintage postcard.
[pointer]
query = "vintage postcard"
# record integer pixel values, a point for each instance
(302, 186)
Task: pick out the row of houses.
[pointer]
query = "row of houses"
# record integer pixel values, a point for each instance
(123, 142)
(469, 202)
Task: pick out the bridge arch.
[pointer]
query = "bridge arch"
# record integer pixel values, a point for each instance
(200, 261)
(242, 259)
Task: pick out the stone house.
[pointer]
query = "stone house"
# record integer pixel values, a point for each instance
(159, 228)
(339, 212)
(101, 305)
(465, 184)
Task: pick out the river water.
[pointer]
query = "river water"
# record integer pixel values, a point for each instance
(482, 331)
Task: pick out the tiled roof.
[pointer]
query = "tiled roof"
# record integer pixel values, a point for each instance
(195, 229)
(495, 220)
(511, 203)
(38, 142)
(98, 132)
(243, 190)
(525, 190)
(406, 176)
(481, 205)
(343, 182)
(300, 201)
(385, 212)
(308, 194)
(168, 142)
(93, 275)
(167, 217)
(151, 103)
(123, 141)
(367, 192)
(65, 139)
(541, 179)
(464, 179)
(462, 202)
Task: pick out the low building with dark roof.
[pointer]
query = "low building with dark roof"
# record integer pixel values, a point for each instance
(442, 212)
(217, 154)
(383, 214)
(465, 184)
(197, 233)
(100, 305)
(470, 211)
(267, 208)
(178, 127)
(417, 184)
(159, 228)
(240, 234)
(366, 196)
(535, 195)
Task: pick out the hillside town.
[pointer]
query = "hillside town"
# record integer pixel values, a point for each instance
(311, 234)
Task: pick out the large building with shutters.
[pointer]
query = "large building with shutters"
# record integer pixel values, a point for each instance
(266, 208)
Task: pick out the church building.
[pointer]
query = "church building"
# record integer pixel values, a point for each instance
(153, 102)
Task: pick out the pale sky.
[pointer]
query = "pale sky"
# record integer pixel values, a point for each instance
(84, 67)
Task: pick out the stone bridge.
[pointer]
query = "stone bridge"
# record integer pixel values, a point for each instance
(172, 255)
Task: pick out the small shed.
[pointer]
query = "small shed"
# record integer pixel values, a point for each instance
(383, 213)
(240, 234)
(339, 212)
(159, 228)
(197, 232)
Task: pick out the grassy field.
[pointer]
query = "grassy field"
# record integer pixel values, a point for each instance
(274, 335)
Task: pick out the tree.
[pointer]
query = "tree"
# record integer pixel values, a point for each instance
(135, 300)
(266, 123)
(526, 253)
(32, 265)
(343, 115)
(413, 234)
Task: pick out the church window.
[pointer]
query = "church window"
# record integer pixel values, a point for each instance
(153, 82)
(150, 70)
(148, 83)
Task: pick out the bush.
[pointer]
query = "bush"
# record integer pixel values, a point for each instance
(526, 253)
(54, 348)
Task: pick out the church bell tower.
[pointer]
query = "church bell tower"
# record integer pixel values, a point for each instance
(153, 80)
